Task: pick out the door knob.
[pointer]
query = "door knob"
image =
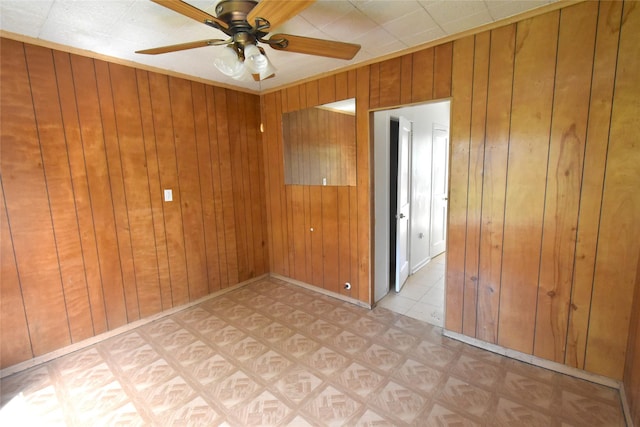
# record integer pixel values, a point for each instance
(401, 215)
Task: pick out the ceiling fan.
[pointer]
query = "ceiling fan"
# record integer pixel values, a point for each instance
(247, 23)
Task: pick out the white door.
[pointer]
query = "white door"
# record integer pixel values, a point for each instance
(403, 203)
(439, 196)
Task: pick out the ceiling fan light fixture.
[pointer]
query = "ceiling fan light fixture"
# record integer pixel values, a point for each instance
(228, 62)
(254, 59)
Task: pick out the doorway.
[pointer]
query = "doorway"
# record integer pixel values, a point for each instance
(427, 127)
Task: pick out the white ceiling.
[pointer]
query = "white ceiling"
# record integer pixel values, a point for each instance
(117, 28)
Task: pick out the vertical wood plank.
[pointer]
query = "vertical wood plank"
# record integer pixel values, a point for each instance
(247, 128)
(56, 123)
(120, 302)
(330, 247)
(299, 232)
(353, 242)
(363, 174)
(166, 152)
(595, 156)
(27, 203)
(474, 186)
(226, 183)
(235, 138)
(530, 122)
(16, 343)
(316, 230)
(568, 131)
(406, 79)
(619, 235)
(462, 79)
(442, 68)
(342, 86)
(205, 169)
(327, 89)
(374, 86)
(274, 213)
(495, 179)
(422, 75)
(136, 183)
(344, 240)
(214, 158)
(155, 191)
(390, 80)
(94, 201)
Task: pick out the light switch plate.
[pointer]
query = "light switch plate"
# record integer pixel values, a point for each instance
(168, 195)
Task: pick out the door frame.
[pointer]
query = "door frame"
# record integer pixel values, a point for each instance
(380, 195)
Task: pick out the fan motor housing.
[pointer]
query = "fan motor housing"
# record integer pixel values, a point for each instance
(234, 12)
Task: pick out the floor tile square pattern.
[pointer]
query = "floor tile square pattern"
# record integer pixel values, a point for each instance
(276, 354)
(422, 296)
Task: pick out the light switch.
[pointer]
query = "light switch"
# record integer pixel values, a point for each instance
(168, 195)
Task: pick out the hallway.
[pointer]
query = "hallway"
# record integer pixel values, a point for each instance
(422, 296)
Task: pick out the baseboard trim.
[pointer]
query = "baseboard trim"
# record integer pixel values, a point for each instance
(321, 290)
(10, 370)
(534, 360)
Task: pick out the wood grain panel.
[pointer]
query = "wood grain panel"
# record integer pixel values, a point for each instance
(494, 182)
(56, 124)
(299, 230)
(442, 69)
(327, 89)
(190, 200)
(16, 344)
(316, 230)
(226, 177)
(363, 175)
(208, 216)
(390, 82)
(619, 235)
(475, 185)
(406, 79)
(235, 155)
(422, 75)
(330, 244)
(533, 79)
(374, 86)
(136, 183)
(344, 240)
(120, 301)
(353, 239)
(26, 197)
(595, 156)
(155, 191)
(274, 210)
(461, 81)
(93, 199)
(568, 132)
(217, 188)
(166, 152)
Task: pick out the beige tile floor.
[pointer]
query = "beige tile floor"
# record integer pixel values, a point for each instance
(272, 353)
(422, 296)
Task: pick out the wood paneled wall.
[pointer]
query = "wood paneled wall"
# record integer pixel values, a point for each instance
(88, 244)
(544, 230)
(544, 206)
(338, 250)
(319, 144)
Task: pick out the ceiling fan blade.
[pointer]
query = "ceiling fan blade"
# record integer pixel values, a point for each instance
(311, 46)
(277, 12)
(182, 46)
(191, 11)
